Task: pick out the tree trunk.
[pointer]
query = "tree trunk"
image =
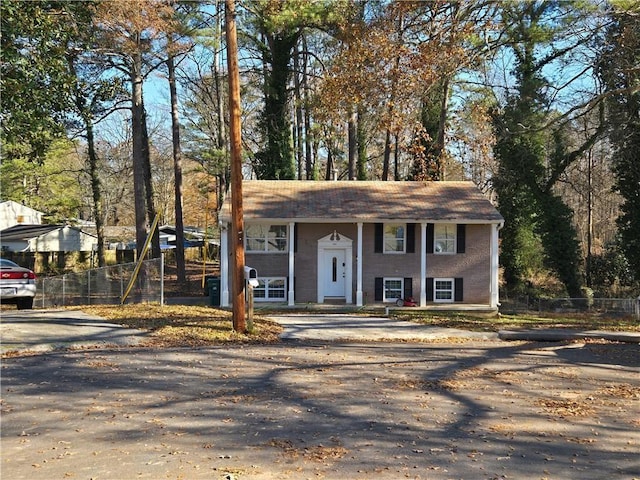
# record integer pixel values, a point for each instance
(95, 190)
(396, 173)
(353, 142)
(298, 130)
(312, 174)
(362, 147)
(138, 153)
(442, 123)
(275, 162)
(328, 171)
(148, 183)
(387, 155)
(177, 172)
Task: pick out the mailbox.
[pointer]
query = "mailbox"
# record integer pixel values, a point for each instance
(251, 276)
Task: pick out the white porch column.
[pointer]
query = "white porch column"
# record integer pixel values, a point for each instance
(423, 264)
(359, 267)
(291, 293)
(224, 267)
(495, 265)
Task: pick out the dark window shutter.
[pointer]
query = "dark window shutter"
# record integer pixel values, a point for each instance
(408, 288)
(411, 237)
(429, 237)
(378, 238)
(457, 290)
(460, 238)
(295, 237)
(379, 287)
(429, 289)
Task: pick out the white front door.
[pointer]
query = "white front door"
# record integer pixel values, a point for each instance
(335, 272)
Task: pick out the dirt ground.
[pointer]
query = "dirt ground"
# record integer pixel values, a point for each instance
(468, 410)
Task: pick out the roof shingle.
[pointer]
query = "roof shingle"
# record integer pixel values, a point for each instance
(367, 201)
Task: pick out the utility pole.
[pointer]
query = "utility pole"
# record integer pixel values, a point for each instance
(237, 227)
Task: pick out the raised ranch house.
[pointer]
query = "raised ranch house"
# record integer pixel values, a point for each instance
(366, 242)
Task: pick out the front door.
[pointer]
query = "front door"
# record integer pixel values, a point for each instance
(335, 272)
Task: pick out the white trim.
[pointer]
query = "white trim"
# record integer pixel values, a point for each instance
(335, 241)
(359, 300)
(495, 266)
(265, 250)
(423, 264)
(384, 289)
(224, 267)
(435, 237)
(353, 220)
(384, 238)
(291, 293)
(453, 290)
(265, 281)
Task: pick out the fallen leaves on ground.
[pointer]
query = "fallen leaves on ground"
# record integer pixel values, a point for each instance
(316, 453)
(184, 325)
(493, 323)
(566, 408)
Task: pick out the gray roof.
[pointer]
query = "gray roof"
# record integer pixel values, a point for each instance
(368, 201)
(24, 232)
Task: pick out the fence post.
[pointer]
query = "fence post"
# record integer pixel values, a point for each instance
(89, 287)
(63, 290)
(161, 279)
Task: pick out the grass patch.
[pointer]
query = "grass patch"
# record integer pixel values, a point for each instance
(574, 321)
(184, 325)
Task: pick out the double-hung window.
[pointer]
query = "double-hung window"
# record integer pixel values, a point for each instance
(395, 238)
(265, 238)
(443, 289)
(393, 289)
(271, 289)
(444, 240)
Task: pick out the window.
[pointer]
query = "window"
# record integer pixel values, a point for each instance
(443, 289)
(444, 238)
(265, 238)
(393, 289)
(270, 289)
(394, 238)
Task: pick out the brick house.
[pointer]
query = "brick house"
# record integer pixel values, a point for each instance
(366, 243)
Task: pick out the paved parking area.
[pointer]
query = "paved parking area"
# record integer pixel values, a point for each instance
(309, 410)
(329, 402)
(46, 330)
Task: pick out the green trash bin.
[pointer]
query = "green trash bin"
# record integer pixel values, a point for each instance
(213, 287)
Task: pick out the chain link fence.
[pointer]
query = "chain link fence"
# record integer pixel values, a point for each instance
(613, 306)
(103, 286)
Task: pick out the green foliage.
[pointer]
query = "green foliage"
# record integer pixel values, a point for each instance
(47, 186)
(527, 166)
(279, 24)
(610, 271)
(35, 84)
(620, 74)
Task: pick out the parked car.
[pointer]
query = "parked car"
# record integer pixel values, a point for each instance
(17, 284)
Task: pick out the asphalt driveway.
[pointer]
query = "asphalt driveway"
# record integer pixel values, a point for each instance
(330, 410)
(46, 330)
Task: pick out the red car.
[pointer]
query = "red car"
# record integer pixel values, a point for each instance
(17, 284)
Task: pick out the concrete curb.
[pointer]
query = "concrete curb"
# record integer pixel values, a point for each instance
(554, 335)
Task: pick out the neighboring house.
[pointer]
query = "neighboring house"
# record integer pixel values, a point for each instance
(366, 242)
(46, 238)
(14, 213)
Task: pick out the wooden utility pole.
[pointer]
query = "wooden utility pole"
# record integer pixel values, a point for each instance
(237, 227)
